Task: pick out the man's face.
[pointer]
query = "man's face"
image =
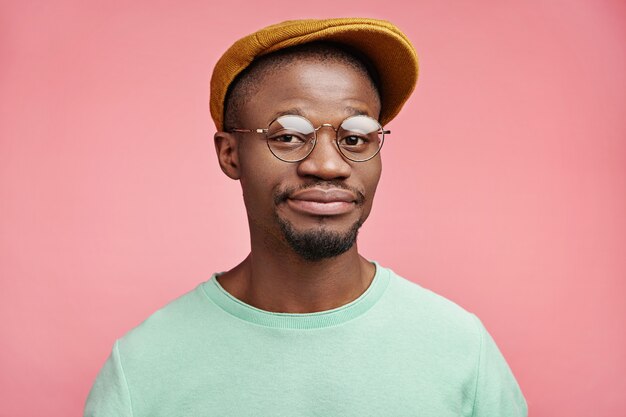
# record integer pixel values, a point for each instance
(314, 206)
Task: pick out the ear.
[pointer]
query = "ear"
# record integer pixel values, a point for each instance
(227, 153)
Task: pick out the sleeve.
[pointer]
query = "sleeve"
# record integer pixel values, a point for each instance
(109, 395)
(497, 392)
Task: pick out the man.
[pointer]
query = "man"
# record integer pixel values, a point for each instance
(305, 326)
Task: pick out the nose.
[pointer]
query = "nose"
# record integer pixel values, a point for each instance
(325, 161)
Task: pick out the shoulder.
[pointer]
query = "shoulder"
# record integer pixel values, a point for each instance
(459, 345)
(170, 325)
(424, 309)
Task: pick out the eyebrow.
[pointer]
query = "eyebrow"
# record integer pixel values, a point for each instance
(356, 112)
(293, 110)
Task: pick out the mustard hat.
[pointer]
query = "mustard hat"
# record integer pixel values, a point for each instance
(388, 49)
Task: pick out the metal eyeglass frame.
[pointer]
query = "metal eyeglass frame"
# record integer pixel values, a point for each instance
(315, 129)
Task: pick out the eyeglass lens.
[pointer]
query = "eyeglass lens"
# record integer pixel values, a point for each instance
(292, 138)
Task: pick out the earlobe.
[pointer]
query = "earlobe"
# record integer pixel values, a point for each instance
(227, 154)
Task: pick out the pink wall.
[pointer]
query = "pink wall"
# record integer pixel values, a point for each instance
(504, 186)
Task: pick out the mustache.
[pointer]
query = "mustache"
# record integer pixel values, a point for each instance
(280, 196)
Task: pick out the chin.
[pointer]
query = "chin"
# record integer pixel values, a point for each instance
(319, 242)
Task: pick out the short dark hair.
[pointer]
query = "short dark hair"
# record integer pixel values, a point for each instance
(246, 82)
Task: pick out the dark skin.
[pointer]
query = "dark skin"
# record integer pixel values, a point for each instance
(273, 277)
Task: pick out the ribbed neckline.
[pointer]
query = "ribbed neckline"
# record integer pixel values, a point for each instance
(319, 319)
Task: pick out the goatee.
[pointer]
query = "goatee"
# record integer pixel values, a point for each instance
(319, 243)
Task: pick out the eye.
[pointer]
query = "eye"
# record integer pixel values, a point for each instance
(287, 139)
(354, 140)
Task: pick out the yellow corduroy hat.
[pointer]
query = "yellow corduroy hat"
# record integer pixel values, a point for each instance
(388, 49)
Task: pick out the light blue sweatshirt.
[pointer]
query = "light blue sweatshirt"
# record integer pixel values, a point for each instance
(397, 350)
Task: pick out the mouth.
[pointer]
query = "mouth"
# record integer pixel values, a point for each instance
(323, 201)
(316, 208)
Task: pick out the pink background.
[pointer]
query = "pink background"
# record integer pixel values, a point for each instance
(504, 183)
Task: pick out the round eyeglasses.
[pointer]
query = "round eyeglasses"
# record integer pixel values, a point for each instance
(291, 138)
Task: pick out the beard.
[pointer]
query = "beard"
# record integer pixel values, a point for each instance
(319, 243)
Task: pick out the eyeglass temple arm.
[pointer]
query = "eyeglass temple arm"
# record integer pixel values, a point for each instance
(386, 132)
(249, 130)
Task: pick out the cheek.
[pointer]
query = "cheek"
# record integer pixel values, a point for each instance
(372, 176)
(259, 178)
(256, 189)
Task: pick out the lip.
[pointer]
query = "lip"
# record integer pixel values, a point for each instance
(322, 202)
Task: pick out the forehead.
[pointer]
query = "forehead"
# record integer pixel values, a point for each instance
(312, 88)
(321, 51)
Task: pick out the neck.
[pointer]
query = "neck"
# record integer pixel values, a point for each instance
(281, 281)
